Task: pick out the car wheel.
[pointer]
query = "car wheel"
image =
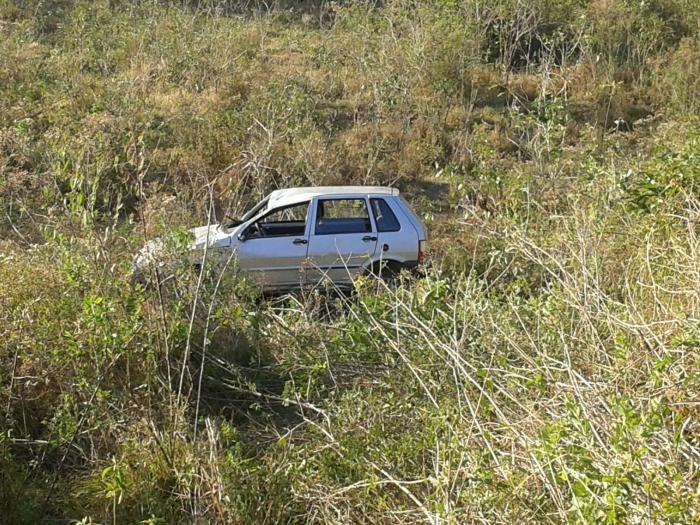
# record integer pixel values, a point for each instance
(387, 271)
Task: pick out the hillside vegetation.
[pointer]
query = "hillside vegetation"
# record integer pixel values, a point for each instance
(545, 370)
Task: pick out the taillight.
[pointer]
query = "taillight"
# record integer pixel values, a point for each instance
(422, 251)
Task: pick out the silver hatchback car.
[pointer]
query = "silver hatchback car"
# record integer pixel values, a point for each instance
(299, 237)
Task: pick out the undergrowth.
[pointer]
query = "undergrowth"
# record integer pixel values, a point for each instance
(544, 370)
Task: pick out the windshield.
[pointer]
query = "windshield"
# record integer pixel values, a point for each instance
(255, 210)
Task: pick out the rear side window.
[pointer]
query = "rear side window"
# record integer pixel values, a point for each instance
(384, 217)
(336, 216)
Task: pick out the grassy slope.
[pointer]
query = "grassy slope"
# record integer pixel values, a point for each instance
(545, 371)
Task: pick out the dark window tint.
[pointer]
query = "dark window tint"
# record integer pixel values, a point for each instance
(384, 217)
(336, 216)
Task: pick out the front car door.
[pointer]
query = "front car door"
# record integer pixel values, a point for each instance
(342, 239)
(272, 249)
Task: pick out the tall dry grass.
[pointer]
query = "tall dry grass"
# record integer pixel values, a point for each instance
(545, 369)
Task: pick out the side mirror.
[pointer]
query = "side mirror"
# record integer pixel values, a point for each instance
(242, 236)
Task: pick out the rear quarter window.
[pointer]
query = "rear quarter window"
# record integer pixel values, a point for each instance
(384, 217)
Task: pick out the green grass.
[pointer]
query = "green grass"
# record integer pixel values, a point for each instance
(544, 371)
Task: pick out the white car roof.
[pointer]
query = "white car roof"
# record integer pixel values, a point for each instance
(294, 195)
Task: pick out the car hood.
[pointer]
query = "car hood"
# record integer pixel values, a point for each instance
(211, 236)
(203, 236)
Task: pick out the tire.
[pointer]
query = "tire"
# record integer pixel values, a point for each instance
(386, 270)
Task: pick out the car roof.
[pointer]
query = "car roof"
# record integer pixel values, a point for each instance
(294, 195)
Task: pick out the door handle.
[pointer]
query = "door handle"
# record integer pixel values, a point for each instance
(368, 238)
(300, 241)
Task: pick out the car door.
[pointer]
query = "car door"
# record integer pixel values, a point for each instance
(397, 240)
(342, 239)
(272, 248)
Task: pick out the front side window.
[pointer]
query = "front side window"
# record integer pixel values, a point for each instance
(384, 216)
(336, 216)
(281, 222)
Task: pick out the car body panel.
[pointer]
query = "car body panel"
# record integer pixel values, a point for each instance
(402, 245)
(413, 219)
(339, 257)
(211, 236)
(276, 258)
(273, 262)
(293, 195)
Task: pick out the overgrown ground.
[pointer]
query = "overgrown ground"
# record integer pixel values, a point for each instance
(545, 371)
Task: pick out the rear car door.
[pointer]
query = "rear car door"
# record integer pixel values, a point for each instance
(397, 239)
(272, 249)
(343, 238)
